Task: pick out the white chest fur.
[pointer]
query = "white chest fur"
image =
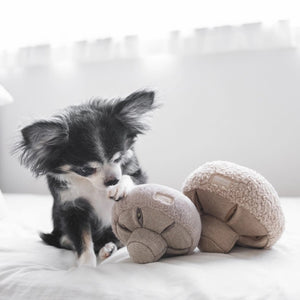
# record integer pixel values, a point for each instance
(81, 187)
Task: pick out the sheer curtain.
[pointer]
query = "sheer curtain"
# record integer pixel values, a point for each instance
(246, 37)
(37, 32)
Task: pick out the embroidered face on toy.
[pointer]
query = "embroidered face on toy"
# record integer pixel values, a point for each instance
(153, 221)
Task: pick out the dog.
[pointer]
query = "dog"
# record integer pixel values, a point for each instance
(87, 154)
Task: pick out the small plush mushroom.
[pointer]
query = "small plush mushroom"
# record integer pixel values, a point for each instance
(155, 221)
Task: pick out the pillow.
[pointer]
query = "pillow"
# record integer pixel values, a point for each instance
(5, 96)
(2, 206)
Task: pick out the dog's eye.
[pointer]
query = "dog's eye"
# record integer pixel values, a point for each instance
(86, 171)
(117, 160)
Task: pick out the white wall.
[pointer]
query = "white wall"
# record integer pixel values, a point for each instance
(242, 106)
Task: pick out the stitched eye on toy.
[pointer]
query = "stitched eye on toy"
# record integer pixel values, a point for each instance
(85, 171)
(139, 216)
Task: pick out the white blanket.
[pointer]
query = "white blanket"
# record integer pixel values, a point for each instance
(30, 269)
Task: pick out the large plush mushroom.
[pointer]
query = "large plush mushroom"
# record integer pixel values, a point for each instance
(237, 206)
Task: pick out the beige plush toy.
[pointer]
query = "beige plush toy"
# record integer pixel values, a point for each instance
(154, 220)
(237, 206)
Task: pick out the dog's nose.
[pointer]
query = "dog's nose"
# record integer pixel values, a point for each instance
(110, 181)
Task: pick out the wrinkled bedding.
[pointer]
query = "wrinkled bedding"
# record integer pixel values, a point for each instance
(30, 269)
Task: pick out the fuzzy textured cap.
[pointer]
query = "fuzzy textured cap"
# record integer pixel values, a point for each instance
(237, 205)
(155, 220)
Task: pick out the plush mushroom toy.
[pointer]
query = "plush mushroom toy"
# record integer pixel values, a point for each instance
(237, 205)
(155, 221)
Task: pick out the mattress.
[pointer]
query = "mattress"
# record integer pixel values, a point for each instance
(30, 269)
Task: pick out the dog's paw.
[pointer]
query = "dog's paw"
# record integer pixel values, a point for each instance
(87, 258)
(121, 189)
(107, 250)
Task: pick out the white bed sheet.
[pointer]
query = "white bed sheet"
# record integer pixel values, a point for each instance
(30, 269)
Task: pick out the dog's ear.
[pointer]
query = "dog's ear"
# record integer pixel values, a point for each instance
(40, 144)
(133, 111)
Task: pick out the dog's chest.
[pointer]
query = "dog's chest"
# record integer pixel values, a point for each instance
(97, 198)
(102, 206)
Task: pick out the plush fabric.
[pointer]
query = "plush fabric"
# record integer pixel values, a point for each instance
(5, 97)
(237, 206)
(155, 220)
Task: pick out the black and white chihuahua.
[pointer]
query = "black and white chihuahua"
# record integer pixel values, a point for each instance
(87, 154)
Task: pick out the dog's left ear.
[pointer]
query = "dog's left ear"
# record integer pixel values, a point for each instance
(133, 111)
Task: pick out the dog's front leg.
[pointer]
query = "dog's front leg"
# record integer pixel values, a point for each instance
(121, 189)
(76, 218)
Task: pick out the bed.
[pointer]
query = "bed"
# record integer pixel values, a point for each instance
(30, 269)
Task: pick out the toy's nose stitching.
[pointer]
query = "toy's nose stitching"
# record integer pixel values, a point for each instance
(168, 227)
(139, 216)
